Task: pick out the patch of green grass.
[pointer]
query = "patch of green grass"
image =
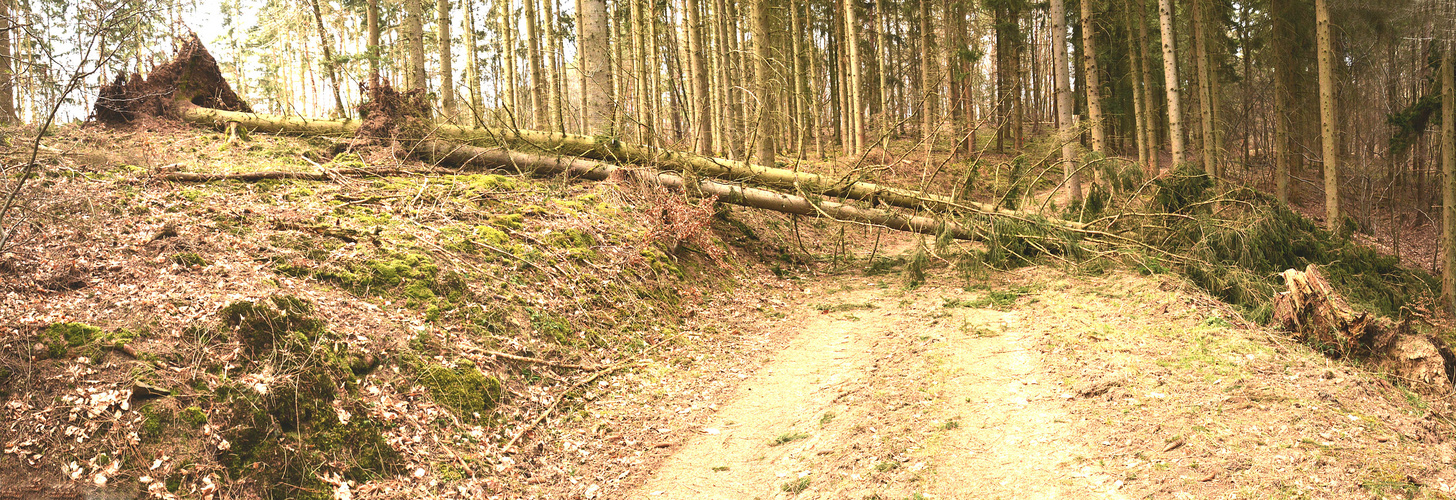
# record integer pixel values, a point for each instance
(796, 486)
(887, 465)
(950, 425)
(993, 299)
(787, 437)
(826, 418)
(833, 308)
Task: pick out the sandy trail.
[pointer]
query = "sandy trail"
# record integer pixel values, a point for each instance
(969, 399)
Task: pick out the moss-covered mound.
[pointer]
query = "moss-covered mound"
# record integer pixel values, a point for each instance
(281, 433)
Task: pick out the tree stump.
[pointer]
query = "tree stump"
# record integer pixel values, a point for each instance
(1319, 317)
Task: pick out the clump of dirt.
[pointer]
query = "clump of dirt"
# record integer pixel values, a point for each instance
(192, 75)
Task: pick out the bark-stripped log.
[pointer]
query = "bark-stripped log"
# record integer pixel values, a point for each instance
(533, 164)
(621, 152)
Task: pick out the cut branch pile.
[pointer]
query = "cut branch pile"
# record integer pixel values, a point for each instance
(1318, 316)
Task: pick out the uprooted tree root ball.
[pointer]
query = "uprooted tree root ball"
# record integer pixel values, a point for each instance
(192, 76)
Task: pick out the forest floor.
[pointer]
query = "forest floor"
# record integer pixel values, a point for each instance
(806, 361)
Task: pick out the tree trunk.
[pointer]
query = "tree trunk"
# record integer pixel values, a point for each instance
(1328, 127)
(1282, 110)
(802, 119)
(855, 84)
(702, 119)
(928, 74)
(472, 66)
(1145, 63)
(555, 102)
(1094, 86)
(447, 74)
(1065, 129)
(764, 81)
(374, 54)
(609, 149)
(598, 78)
(882, 57)
(1140, 125)
(508, 53)
(414, 32)
(1205, 89)
(1448, 182)
(1170, 77)
(540, 116)
(333, 75)
(503, 159)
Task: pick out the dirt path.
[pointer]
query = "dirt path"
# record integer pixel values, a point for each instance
(888, 392)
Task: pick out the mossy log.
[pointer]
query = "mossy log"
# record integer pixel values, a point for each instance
(611, 150)
(1319, 317)
(536, 164)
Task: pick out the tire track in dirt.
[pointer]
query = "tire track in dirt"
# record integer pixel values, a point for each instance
(899, 366)
(1013, 439)
(733, 458)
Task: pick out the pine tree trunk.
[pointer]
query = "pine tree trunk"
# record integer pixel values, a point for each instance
(472, 66)
(598, 74)
(929, 86)
(318, 19)
(1065, 129)
(374, 53)
(508, 49)
(1094, 87)
(415, 41)
(882, 57)
(1448, 182)
(554, 101)
(702, 119)
(1170, 76)
(1205, 89)
(447, 74)
(1150, 104)
(1282, 68)
(803, 122)
(540, 115)
(764, 86)
(1328, 127)
(7, 75)
(1140, 124)
(812, 88)
(639, 62)
(856, 106)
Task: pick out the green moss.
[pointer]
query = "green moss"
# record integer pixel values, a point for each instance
(283, 436)
(194, 416)
(262, 326)
(60, 337)
(552, 326)
(465, 390)
(508, 221)
(189, 259)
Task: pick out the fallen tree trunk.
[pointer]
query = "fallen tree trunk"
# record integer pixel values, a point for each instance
(1319, 317)
(533, 164)
(620, 152)
(277, 175)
